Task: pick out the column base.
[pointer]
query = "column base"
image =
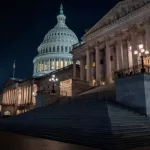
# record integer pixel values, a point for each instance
(98, 83)
(108, 81)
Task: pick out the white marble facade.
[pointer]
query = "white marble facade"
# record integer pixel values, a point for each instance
(53, 52)
(111, 43)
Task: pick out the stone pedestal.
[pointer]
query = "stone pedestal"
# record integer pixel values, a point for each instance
(134, 91)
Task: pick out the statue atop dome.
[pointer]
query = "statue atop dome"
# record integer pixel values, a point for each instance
(61, 10)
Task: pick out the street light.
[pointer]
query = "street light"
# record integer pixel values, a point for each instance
(53, 79)
(142, 54)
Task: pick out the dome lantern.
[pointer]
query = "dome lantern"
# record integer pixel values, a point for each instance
(61, 17)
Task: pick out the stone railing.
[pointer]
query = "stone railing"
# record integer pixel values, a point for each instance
(131, 71)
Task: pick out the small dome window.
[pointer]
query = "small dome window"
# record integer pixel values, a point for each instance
(61, 33)
(49, 49)
(55, 33)
(58, 33)
(57, 48)
(62, 48)
(69, 48)
(43, 50)
(66, 48)
(54, 49)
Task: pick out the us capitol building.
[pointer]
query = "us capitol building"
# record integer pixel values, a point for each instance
(53, 52)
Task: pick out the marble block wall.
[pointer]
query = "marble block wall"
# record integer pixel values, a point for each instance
(134, 91)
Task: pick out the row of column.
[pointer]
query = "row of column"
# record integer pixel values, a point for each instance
(18, 96)
(10, 97)
(26, 95)
(123, 56)
(51, 64)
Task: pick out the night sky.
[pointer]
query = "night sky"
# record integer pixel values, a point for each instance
(24, 23)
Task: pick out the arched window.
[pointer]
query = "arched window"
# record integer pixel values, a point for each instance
(62, 48)
(53, 48)
(57, 48)
(69, 48)
(46, 50)
(43, 50)
(49, 49)
(7, 113)
(66, 48)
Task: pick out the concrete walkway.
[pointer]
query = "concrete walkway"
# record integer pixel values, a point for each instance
(10, 141)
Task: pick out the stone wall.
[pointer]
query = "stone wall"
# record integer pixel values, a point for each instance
(134, 91)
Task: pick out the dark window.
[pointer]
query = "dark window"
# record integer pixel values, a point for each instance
(111, 58)
(49, 49)
(61, 33)
(101, 61)
(57, 48)
(62, 49)
(54, 49)
(69, 48)
(58, 33)
(66, 48)
(46, 50)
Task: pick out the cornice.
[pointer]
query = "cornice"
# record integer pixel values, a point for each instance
(138, 15)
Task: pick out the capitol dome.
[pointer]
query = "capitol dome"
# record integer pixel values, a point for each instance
(53, 52)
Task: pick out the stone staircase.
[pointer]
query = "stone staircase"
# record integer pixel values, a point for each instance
(103, 124)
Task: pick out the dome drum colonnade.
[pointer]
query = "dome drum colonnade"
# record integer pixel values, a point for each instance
(54, 51)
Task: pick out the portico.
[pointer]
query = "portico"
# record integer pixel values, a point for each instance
(114, 44)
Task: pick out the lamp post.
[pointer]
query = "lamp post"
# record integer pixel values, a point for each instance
(53, 79)
(142, 53)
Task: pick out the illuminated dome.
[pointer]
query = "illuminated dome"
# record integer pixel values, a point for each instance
(53, 52)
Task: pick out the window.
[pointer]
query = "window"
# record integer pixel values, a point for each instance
(43, 50)
(57, 48)
(55, 33)
(62, 49)
(58, 33)
(54, 49)
(46, 50)
(49, 49)
(69, 48)
(111, 58)
(101, 61)
(66, 48)
(61, 33)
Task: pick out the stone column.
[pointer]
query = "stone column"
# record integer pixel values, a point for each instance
(29, 94)
(147, 34)
(74, 69)
(108, 63)
(49, 68)
(97, 56)
(54, 63)
(82, 69)
(119, 53)
(40, 66)
(63, 63)
(125, 54)
(59, 64)
(88, 64)
(134, 44)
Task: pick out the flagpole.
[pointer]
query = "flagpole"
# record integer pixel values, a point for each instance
(14, 70)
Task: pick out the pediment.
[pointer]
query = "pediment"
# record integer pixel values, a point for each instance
(12, 81)
(120, 10)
